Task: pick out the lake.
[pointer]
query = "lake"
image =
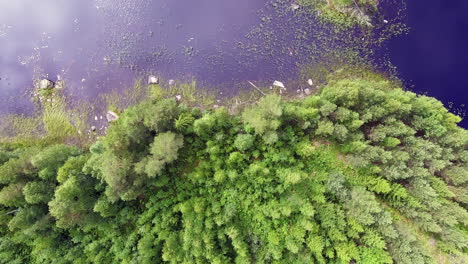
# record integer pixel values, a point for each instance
(97, 46)
(433, 57)
(100, 45)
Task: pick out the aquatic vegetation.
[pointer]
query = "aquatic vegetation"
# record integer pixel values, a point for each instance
(345, 13)
(362, 171)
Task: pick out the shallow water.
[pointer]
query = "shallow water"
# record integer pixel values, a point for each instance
(100, 45)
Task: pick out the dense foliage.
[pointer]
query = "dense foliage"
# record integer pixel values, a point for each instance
(362, 172)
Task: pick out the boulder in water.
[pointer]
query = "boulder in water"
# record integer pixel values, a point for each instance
(60, 84)
(111, 116)
(278, 84)
(45, 84)
(153, 79)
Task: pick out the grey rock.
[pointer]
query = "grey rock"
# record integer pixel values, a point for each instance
(278, 84)
(45, 84)
(60, 84)
(111, 116)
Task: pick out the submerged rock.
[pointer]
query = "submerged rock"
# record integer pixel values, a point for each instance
(60, 84)
(307, 91)
(111, 116)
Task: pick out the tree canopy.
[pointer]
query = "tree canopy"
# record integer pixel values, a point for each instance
(362, 172)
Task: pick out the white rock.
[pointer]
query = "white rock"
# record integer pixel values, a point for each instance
(93, 128)
(100, 117)
(111, 116)
(385, 21)
(153, 79)
(310, 82)
(95, 118)
(278, 84)
(295, 6)
(178, 97)
(60, 84)
(307, 91)
(45, 84)
(171, 82)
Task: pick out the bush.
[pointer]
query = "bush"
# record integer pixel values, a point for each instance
(360, 173)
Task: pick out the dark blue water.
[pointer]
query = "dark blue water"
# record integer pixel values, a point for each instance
(433, 58)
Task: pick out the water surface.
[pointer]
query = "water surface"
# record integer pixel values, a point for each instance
(433, 57)
(100, 45)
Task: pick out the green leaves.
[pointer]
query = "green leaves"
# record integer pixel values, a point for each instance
(264, 118)
(361, 172)
(52, 158)
(183, 122)
(12, 195)
(38, 192)
(244, 141)
(73, 202)
(163, 151)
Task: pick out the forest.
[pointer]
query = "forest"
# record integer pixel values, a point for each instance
(361, 171)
